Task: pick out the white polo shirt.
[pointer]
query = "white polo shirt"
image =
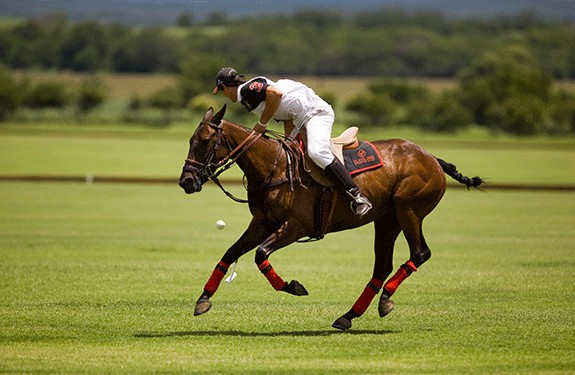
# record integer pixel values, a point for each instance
(299, 103)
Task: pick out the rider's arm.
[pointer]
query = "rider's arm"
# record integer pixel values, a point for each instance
(288, 127)
(273, 99)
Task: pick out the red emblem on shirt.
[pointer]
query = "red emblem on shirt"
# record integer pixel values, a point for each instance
(256, 86)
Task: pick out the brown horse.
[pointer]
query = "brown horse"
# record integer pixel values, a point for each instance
(282, 197)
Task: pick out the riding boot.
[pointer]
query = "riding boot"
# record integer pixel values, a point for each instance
(359, 204)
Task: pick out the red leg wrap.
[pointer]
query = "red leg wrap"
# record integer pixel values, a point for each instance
(370, 291)
(216, 278)
(402, 273)
(270, 274)
(411, 266)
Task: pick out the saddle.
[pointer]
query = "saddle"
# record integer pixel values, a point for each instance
(345, 141)
(343, 148)
(355, 155)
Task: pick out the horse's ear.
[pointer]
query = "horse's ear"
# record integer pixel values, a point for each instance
(220, 115)
(209, 114)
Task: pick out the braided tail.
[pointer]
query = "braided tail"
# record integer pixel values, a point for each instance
(451, 170)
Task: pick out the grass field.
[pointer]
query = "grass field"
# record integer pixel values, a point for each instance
(102, 279)
(137, 152)
(119, 86)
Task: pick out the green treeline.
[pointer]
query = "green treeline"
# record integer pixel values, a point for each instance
(385, 42)
(503, 68)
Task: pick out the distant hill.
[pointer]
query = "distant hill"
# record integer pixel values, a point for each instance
(165, 12)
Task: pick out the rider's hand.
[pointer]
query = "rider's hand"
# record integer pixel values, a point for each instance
(260, 128)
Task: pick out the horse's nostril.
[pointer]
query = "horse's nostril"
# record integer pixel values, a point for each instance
(184, 182)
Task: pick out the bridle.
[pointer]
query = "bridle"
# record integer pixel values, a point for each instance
(210, 169)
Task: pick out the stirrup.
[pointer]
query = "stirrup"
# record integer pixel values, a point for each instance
(360, 205)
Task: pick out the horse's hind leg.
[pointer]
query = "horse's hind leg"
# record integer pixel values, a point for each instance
(386, 232)
(411, 224)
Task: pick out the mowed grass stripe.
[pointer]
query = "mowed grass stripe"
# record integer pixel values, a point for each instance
(158, 157)
(102, 279)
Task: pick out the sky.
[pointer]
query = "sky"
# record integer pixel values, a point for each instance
(164, 11)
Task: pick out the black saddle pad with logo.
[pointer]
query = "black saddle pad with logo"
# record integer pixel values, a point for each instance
(363, 158)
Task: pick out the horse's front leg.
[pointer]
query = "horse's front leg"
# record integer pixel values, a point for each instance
(252, 237)
(288, 233)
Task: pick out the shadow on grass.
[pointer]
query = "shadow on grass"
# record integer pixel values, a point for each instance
(260, 334)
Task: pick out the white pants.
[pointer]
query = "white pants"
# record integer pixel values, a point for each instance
(318, 134)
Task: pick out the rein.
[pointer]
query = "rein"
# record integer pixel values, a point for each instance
(213, 170)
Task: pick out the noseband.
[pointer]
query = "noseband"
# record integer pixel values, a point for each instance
(207, 169)
(210, 170)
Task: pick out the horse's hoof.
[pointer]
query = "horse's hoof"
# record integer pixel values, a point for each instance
(295, 288)
(342, 323)
(202, 306)
(385, 306)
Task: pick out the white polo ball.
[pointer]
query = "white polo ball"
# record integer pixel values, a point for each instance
(220, 224)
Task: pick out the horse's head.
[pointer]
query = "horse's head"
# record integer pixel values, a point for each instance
(204, 153)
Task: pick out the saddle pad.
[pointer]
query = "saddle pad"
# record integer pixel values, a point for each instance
(362, 158)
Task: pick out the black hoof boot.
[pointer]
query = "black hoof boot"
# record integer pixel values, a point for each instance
(202, 306)
(295, 288)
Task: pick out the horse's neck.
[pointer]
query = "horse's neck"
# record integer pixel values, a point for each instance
(257, 161)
